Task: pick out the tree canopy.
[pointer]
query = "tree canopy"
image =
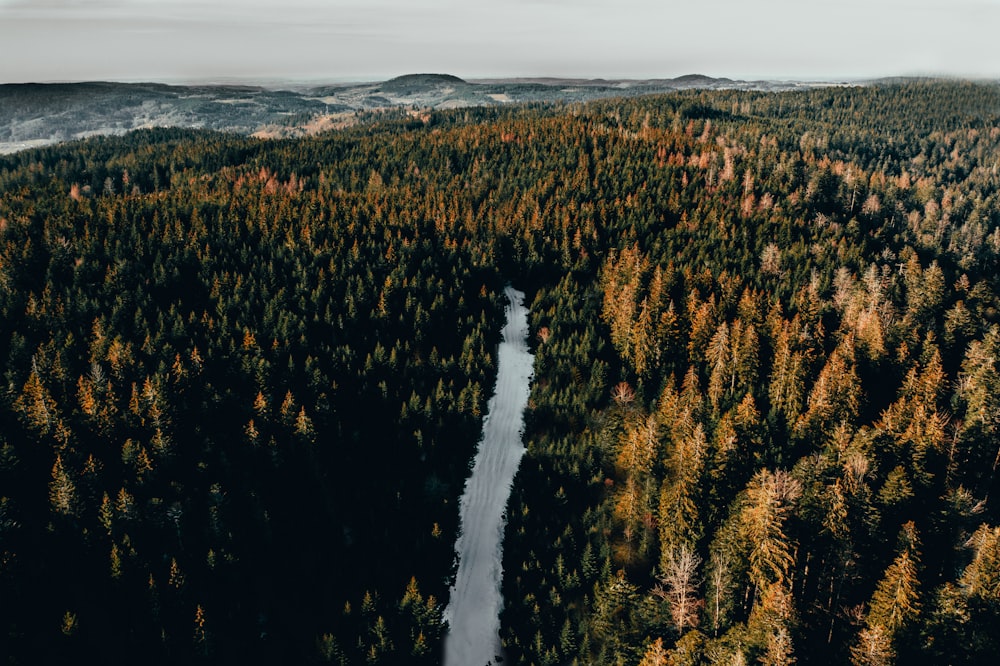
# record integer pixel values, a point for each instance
(243, 381)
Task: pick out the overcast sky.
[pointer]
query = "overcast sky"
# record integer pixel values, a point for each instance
(333, 40)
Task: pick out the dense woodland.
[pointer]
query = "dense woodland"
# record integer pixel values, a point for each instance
(243, 382)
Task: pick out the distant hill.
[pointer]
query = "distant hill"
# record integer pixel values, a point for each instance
(417, 81)
(689, 80)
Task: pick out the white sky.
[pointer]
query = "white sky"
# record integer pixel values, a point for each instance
(333, 40)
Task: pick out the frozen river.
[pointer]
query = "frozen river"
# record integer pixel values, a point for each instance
(473, 612)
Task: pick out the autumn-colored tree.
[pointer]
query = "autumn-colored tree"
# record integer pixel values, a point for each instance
(836, 394)
(895, 603)
(62, 490)
(770, 498)
(680, 519)
(656, 654)
(37, 406)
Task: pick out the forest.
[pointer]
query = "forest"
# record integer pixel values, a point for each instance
(243, 381)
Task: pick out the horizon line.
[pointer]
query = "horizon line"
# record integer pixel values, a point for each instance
(266, 81)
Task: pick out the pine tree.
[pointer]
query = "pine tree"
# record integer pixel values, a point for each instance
(894, 606)
(62, 490)
(770, 497)
(37, 405)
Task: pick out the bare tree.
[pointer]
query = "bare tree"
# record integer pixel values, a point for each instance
(678, 585)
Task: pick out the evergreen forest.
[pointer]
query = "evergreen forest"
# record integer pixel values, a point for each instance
(243, 381)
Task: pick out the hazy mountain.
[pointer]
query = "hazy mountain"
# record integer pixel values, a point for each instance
(40, 114)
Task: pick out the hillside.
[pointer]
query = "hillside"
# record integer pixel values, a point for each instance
(244, 379)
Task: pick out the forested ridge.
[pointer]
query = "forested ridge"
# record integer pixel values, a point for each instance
(243, 381)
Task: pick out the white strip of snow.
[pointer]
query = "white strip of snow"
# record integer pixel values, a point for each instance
(473, 611)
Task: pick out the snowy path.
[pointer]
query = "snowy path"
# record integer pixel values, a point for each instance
(473, 613)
